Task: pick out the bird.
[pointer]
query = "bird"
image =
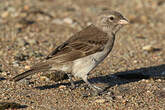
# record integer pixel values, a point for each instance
(83, 51)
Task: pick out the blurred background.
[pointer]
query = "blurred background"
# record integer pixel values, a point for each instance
(30, 29)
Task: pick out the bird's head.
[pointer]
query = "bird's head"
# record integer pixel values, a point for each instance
(110, 21)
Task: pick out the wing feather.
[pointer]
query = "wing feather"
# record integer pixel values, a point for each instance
(84, 43)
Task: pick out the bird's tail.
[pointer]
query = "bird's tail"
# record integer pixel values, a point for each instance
(24, 74)
(41, 67)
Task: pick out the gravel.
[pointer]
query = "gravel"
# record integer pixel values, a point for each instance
(133, 73)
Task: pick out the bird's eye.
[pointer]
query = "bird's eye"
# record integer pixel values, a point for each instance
(111, 18)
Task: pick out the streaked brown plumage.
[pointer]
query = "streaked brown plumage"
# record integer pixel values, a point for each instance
(83, 51)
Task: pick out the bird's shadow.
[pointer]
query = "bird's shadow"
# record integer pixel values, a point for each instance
(119, 78)
(11, 106)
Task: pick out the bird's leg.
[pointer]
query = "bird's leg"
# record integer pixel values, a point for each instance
(71, 81)
(93, 87)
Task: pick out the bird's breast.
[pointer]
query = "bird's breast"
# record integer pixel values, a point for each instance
(81, 67)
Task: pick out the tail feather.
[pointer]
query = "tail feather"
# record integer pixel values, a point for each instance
(40, 67)
(27, 73)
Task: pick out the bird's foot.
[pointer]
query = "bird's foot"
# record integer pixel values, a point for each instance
(72, 86)
(97, 90)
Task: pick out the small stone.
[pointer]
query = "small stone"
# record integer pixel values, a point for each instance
(62, 87)
(149, 85)
(67, 92)
(148, 91)
(159, 80)
(144, 19)
(89, 23)
(5, 14)
(100, 100)
(16, 63)
(135, 61)
(132, 18)
(23, 14)
(68, 20)
(18, 25)
(143, 80)
(32, 41)
(27, 67)
(4, 73)
(119, 97)
(57, 21)
(146, 81)
(148, 48)
(163, 89)
(11, 9)
(1, 52)
(140, 36)
(26, 7)
(44, 78)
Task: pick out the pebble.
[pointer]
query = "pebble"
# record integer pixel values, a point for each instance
(148, 91)
(26, 7)
(57, 21)
(62, 87)
(140, 36)
(147, 81)
(144, 19)
(135, 61)
(89, 23)
(1, 52)
(68, 20)
(32, 41)
(18, 25)
(16, 63)
(163, 89)
(119, 97)
(5, 14)
(44, 78)
(23, 14)
(100, 100)
(67, 92)
(148, 48)
(143, 80)
(149, 85)
(4, 73)
(159, 80)
(27, 67)
(132, 18)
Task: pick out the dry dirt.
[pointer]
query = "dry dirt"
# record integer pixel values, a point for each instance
(134, 71)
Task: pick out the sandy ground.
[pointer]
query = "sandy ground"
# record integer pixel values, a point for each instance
(134, 71)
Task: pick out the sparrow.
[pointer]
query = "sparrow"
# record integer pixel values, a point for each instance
(83, 51)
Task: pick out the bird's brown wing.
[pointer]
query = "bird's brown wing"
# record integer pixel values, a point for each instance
(86, 42)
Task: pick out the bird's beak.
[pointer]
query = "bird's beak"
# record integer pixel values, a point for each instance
(123, 21)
